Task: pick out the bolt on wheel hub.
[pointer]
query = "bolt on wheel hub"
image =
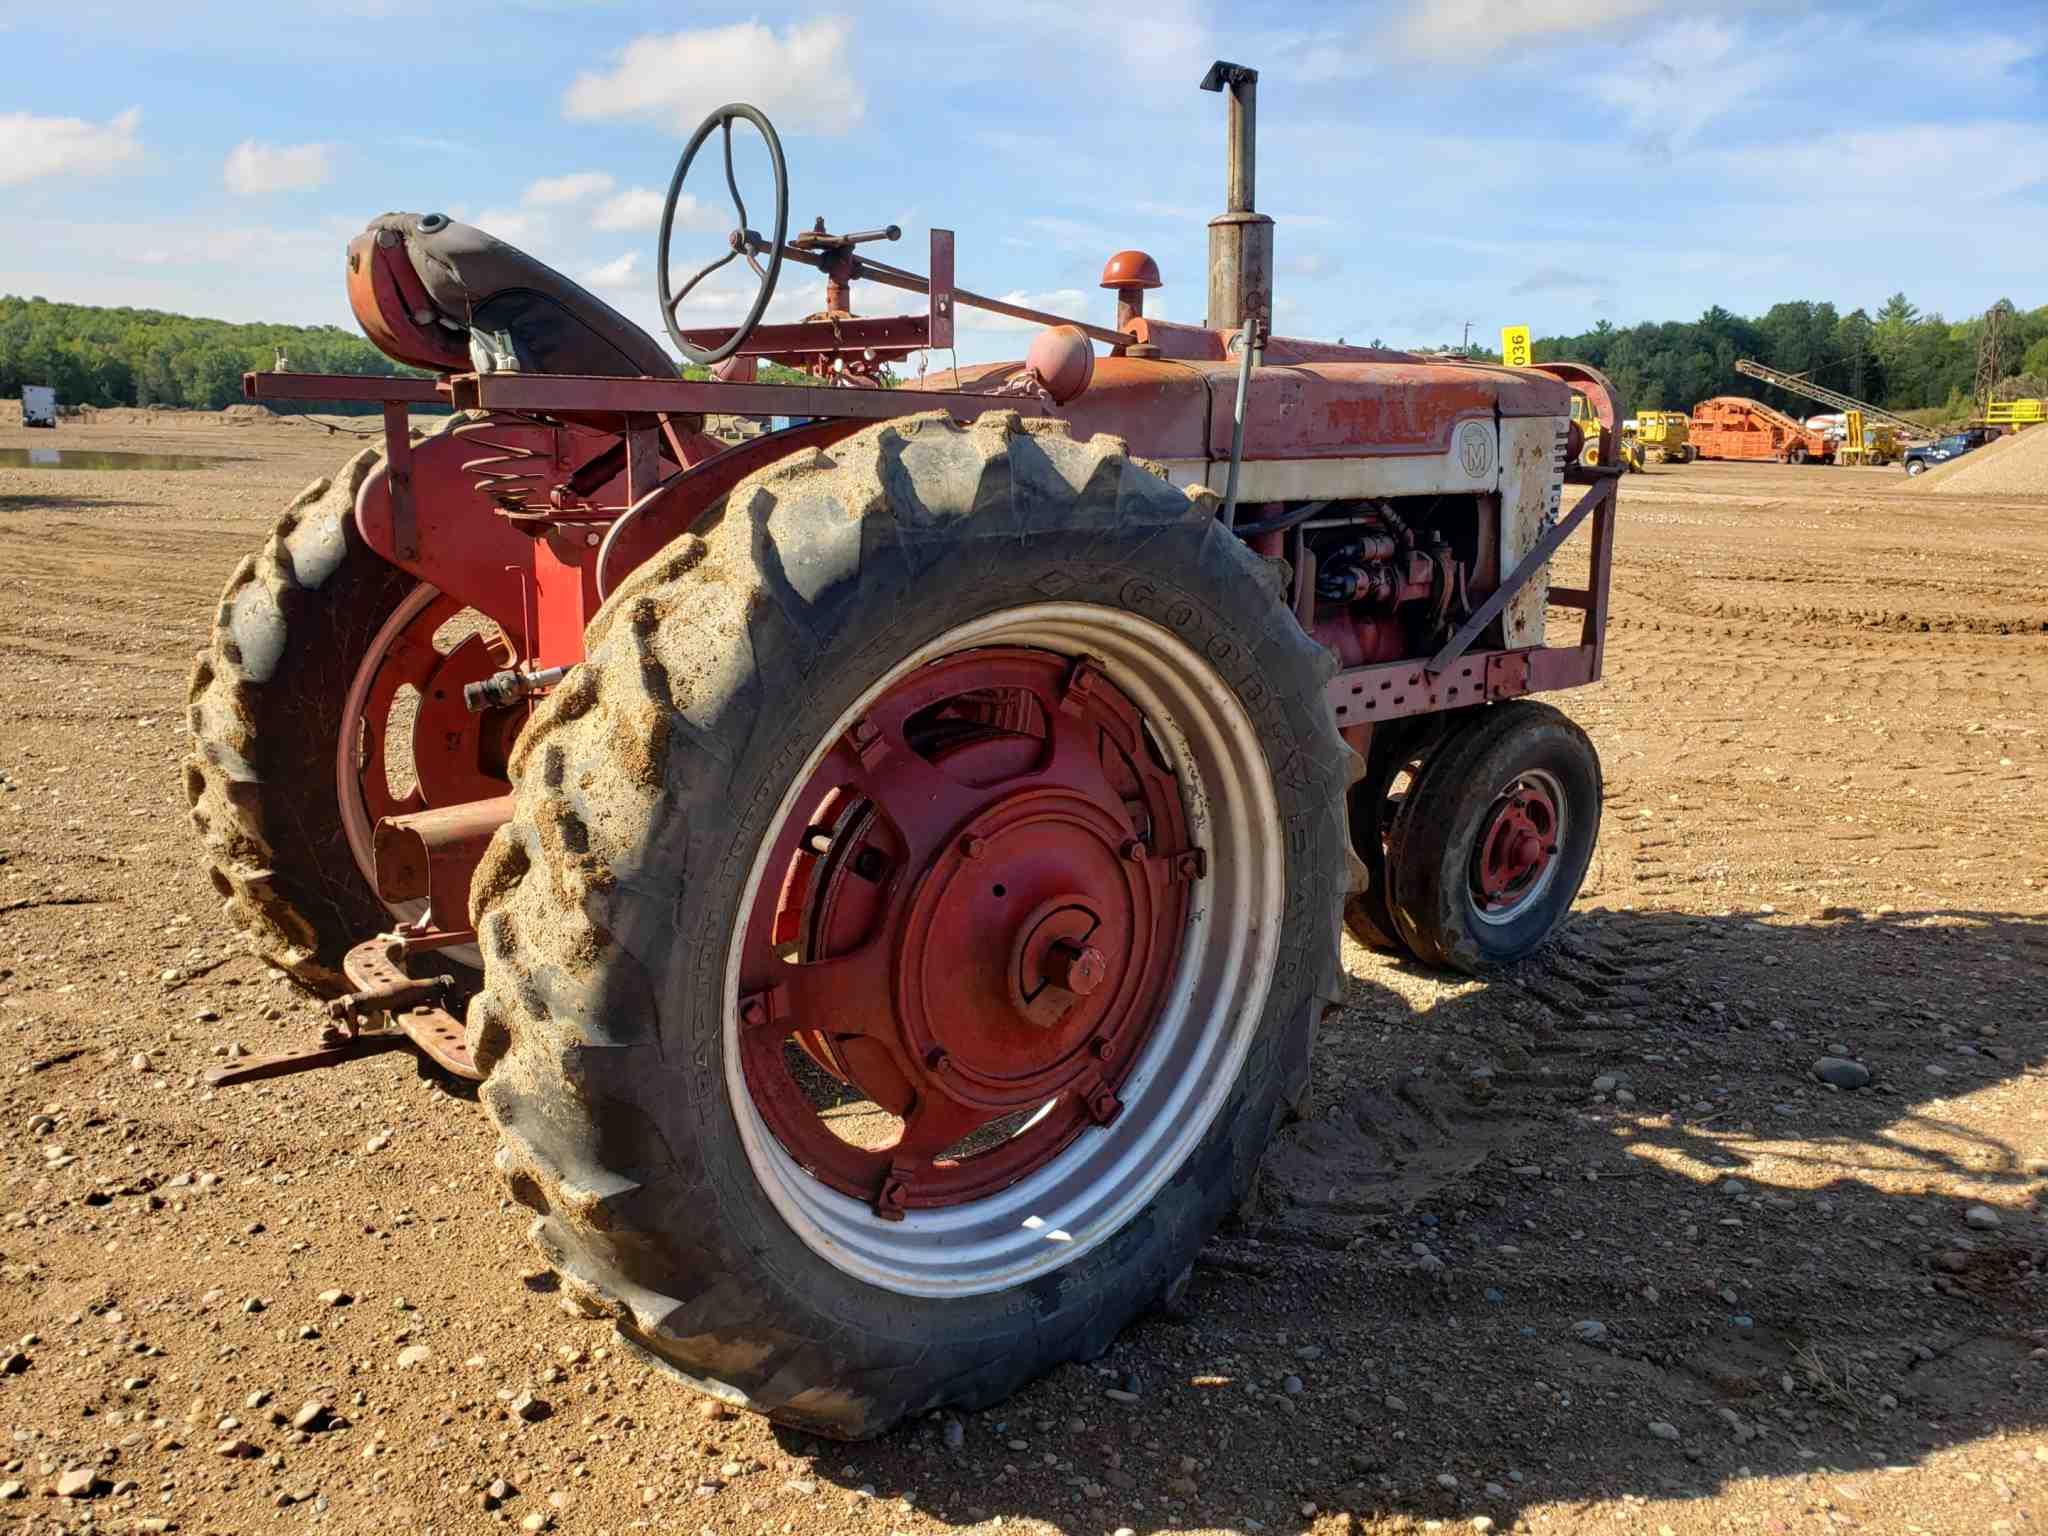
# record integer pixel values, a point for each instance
(1054, 963)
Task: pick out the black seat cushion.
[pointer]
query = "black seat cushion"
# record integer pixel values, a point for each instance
(521, 313)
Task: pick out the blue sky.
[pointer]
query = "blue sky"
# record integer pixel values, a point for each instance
(1430, 162)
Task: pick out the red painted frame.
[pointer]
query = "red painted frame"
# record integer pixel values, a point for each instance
(541, 578)
(1457, 677)
(421, 511)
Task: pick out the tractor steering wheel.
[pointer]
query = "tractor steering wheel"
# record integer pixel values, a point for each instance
(743, 241)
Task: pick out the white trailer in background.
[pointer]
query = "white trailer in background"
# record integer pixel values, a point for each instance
(38, 405)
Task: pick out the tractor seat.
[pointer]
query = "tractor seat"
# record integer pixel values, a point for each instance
(519, 315)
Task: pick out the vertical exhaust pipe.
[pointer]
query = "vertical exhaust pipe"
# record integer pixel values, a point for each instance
(1240, 238)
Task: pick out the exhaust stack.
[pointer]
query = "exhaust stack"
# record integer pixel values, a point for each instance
(1240, 239)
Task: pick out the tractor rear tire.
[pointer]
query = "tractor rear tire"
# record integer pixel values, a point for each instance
(1461, 804)
(656, 788)
(264, 709)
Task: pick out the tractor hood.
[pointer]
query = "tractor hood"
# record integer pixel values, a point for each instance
(1391, 406)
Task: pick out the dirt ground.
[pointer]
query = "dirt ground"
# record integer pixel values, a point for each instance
(1585, 1249)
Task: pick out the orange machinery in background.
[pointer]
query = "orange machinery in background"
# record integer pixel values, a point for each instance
(1731, 427)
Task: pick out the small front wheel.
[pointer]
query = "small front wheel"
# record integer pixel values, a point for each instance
(1489, 852)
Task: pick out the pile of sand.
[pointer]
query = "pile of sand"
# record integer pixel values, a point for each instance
(2015, 465)
(1941, 472)
(242, 415)
(248, 414)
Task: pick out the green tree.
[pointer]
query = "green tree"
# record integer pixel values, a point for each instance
(1852, 347)
(121, 356)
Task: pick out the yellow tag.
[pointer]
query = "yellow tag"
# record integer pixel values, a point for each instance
(1514, 345)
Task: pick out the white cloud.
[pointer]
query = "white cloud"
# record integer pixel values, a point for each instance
(432, 144)
(1684, 76)
(1468, 29)
(802, 77)
(255, 170)
(1997, 58)
(1971, 162)
(32, 147)
(515, 226)
(188, 264)
(638, 208)
(1070, 303)
(1119, 61)
(616, 273)
(579, 186)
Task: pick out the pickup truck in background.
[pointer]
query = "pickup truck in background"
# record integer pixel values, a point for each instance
(1922, 457)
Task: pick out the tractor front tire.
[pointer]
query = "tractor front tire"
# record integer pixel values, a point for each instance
(652, 1107)
(264, 708)
(1493, 843)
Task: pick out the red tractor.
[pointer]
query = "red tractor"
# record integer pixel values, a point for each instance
(887, 872)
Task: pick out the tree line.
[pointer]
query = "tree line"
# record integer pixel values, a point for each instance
(1899, 358)
(96, 356)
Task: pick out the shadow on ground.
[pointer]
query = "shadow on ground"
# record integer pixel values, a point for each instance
(1468, 1264)
(43, 501)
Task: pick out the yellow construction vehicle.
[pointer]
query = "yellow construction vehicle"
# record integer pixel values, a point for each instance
(1871, 445)
(2016, 413)
(1630, 450)
(1664, 433)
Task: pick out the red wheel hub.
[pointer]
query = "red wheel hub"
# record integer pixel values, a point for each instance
(971, 918)
(1515, 846)
(456, 754)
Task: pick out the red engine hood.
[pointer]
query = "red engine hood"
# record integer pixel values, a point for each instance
(1170, 409)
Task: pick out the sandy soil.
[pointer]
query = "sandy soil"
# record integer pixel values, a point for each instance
(2013, 465)
(1584, 1249)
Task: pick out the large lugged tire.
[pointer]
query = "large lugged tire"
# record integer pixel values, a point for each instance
(1492, 844)
(265, 701)
(636, 1060)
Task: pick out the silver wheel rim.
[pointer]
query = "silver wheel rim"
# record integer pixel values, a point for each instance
(1540, 779)
(1190, 1064)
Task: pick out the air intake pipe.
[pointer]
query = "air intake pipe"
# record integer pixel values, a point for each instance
(1240, 239)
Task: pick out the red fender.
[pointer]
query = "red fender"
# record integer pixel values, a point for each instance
(541, 584)
(671, 507)
(1600, 394)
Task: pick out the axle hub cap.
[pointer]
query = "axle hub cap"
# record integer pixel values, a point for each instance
(980, 900)
(1517, 847)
